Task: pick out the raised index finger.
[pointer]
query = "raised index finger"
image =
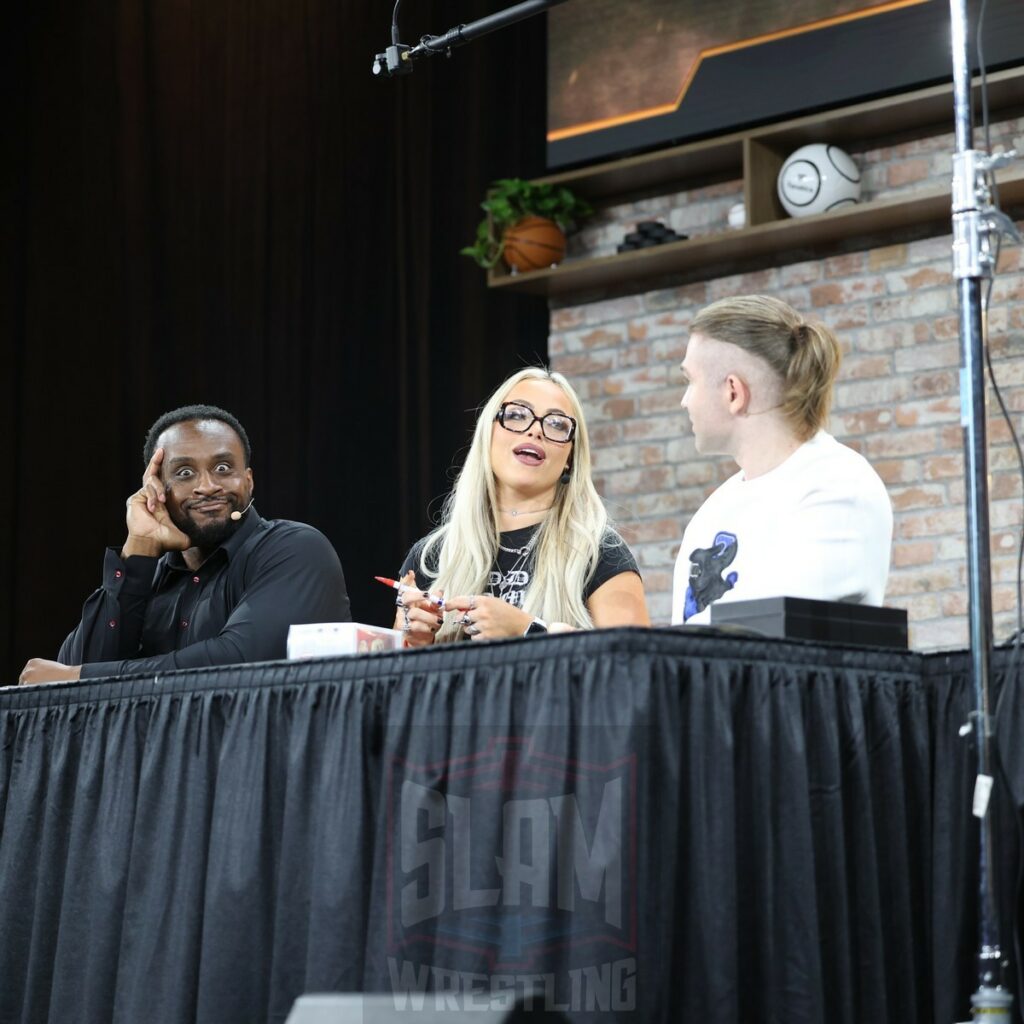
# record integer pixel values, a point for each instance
(153, 467)
(151, 481)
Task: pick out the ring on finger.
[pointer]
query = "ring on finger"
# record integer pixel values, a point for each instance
(465, 620)
(472, 630)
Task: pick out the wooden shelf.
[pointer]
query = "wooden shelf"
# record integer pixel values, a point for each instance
(755, 156)
(708, 252)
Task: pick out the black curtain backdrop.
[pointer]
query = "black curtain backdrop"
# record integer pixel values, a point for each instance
(220, 203)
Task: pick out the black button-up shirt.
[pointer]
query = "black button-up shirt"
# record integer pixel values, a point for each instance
(156, 614)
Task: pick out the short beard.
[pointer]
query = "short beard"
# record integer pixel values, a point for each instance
(207, 537)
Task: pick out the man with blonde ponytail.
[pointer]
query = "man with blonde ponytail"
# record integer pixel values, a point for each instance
(805, 516)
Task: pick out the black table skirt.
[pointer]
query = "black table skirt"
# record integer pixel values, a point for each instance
(641, 824)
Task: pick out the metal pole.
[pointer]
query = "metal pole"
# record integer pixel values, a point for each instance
(398, 58)
(464, 33)
(972, 264)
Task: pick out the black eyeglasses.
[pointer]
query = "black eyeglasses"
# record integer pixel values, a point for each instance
(555, 426)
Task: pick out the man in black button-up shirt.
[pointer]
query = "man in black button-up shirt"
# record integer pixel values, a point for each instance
(201, 579)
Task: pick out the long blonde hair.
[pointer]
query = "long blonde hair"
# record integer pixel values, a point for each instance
(803, 354)
(464, 546)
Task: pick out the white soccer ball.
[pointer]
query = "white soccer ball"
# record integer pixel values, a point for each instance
(817, 178)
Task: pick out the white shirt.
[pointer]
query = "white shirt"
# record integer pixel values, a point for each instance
(819, 525)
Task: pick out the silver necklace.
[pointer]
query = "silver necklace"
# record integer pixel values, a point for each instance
(507, 580)
(515, 513)
(515, 551)
(525, 549)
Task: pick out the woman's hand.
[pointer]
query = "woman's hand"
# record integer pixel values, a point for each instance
(488, 618)
(418, 619)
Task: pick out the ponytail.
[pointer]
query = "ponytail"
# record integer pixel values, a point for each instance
(807, 393)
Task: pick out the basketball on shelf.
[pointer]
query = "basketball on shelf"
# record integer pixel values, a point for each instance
(532, 243)
(817, 178)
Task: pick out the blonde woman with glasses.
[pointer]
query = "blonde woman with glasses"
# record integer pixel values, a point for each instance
(524, 546)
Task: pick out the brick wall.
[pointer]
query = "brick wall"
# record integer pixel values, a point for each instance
(893, 307)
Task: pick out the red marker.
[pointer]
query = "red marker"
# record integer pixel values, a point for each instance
(434, 599)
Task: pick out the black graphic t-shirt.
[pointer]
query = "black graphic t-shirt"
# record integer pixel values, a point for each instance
(510, 575)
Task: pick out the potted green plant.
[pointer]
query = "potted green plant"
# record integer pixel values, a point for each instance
(526, 224)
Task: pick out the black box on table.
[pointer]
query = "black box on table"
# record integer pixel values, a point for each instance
(800, 618)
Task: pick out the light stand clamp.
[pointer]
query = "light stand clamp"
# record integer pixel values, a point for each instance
(976, 221)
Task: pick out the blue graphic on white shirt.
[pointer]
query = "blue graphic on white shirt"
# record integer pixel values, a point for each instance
(706, 566)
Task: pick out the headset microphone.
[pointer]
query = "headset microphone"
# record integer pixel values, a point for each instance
(236, 515)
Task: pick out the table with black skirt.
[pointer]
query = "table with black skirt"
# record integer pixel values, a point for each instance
(627, 824)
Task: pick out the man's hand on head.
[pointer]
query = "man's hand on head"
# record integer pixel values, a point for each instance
(39, 670)
(150, 528)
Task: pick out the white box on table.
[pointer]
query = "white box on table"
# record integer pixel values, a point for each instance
(323, 639)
